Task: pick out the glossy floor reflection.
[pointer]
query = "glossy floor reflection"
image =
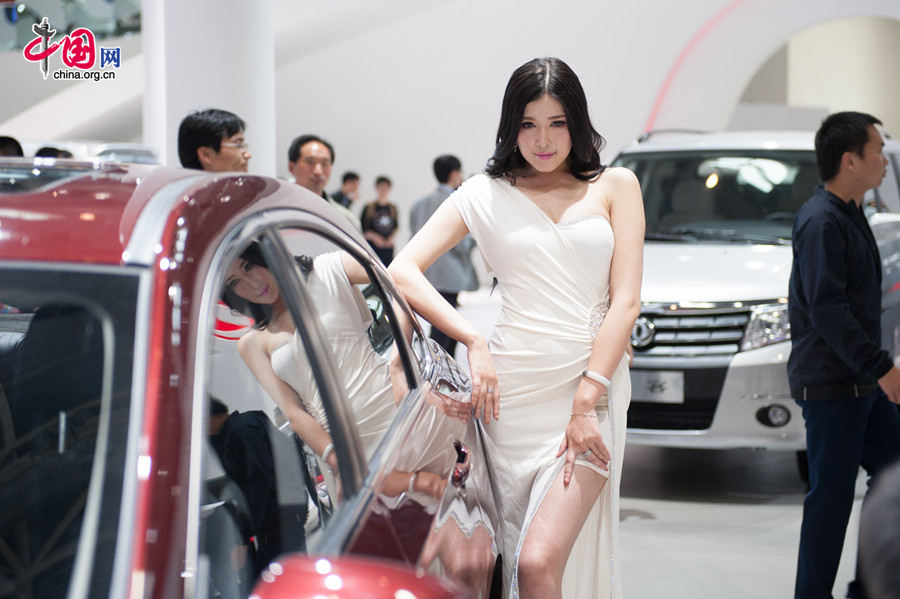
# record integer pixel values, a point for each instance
(700, 524)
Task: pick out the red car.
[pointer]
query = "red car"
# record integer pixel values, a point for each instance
(157, 442)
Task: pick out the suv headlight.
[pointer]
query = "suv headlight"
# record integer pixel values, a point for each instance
(768, 324)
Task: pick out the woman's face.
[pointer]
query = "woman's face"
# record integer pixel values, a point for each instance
(544, 139)
(252, 282)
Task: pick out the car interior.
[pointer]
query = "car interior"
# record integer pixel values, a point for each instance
(51, 376)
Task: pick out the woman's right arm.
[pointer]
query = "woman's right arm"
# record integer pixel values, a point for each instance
(441, 232)
(253, 352)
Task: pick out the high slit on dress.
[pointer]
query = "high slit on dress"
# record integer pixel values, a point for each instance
(554, 280)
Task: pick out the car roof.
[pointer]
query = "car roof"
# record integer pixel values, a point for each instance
(114, 213)
(668, 141)
(677, 140)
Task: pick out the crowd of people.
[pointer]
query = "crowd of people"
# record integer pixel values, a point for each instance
(10, 146)
(213, 140)
(563, 236)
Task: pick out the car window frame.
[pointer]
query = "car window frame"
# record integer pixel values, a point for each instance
(888, 192)
(266, 227)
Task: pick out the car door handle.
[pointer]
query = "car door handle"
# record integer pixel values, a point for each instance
(461, 467)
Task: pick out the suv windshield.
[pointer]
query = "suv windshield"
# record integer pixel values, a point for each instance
(731, 196)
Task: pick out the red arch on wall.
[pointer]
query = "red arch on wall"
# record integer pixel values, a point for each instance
(682, 56)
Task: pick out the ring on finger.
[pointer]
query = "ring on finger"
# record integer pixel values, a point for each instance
(490, 389)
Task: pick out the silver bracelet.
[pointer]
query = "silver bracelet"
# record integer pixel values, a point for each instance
(587, 414)
(328, 449)
(412, 482)
(596, 377)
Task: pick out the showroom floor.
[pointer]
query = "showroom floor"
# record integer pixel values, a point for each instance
(702, 524)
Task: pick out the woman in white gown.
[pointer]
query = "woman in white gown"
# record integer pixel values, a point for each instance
(563, 235)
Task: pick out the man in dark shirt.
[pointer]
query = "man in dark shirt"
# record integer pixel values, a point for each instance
(841, 378)
(347, 194)
(246, 444)
(310, 159)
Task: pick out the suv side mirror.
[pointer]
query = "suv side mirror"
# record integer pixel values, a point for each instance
(305, 577)
(878, 218)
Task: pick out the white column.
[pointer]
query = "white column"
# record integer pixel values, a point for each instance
(209, 54)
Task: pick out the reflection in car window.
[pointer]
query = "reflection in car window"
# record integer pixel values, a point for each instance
(271, 472)
(358, 332)
(257, 497)
(265, 492)
(61, 433)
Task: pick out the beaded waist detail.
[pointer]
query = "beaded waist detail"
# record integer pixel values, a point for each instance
(598, 313)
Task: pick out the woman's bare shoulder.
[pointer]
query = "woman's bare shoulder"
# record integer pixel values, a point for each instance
(250, 341)
(619, 177)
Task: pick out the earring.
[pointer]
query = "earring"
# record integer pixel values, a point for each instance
(515, 147)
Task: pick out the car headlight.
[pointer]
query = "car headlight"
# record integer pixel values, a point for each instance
(768, 324)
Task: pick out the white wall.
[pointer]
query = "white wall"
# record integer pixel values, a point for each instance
(395, 96)
(863, 75)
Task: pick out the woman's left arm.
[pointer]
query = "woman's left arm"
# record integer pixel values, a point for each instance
(626, 215)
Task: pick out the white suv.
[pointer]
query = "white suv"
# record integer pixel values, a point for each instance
(713, 336)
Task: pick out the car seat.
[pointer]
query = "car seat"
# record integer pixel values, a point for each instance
(54, 405)
(692, 202)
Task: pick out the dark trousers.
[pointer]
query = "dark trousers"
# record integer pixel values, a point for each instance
(841, 436)
(445, 341)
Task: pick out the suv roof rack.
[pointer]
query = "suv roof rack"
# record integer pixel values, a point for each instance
(648, 134)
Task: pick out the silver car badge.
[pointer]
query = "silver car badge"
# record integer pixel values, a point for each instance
(643, 332)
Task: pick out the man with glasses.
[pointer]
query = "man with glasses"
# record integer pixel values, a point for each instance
(213, 140)
(310, 159)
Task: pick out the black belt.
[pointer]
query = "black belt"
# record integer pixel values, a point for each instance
(814, 392)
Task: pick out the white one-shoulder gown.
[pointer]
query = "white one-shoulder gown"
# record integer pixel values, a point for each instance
(554, 280)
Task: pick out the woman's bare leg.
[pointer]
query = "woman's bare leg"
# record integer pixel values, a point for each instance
(553, 531)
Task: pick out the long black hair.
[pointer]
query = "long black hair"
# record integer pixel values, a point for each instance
(260, 313)
(536, 78)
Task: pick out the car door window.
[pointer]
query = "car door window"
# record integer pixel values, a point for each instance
(266, 488)
(888, 194)
(359, 329)
(272, 478)
(66, 352)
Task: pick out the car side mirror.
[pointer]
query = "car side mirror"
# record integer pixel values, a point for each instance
(444, 373)
(305, 577)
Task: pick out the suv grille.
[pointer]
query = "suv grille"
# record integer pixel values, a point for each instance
(675, 337)
(691, 331)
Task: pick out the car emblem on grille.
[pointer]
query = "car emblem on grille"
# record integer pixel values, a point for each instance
(643, 332)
